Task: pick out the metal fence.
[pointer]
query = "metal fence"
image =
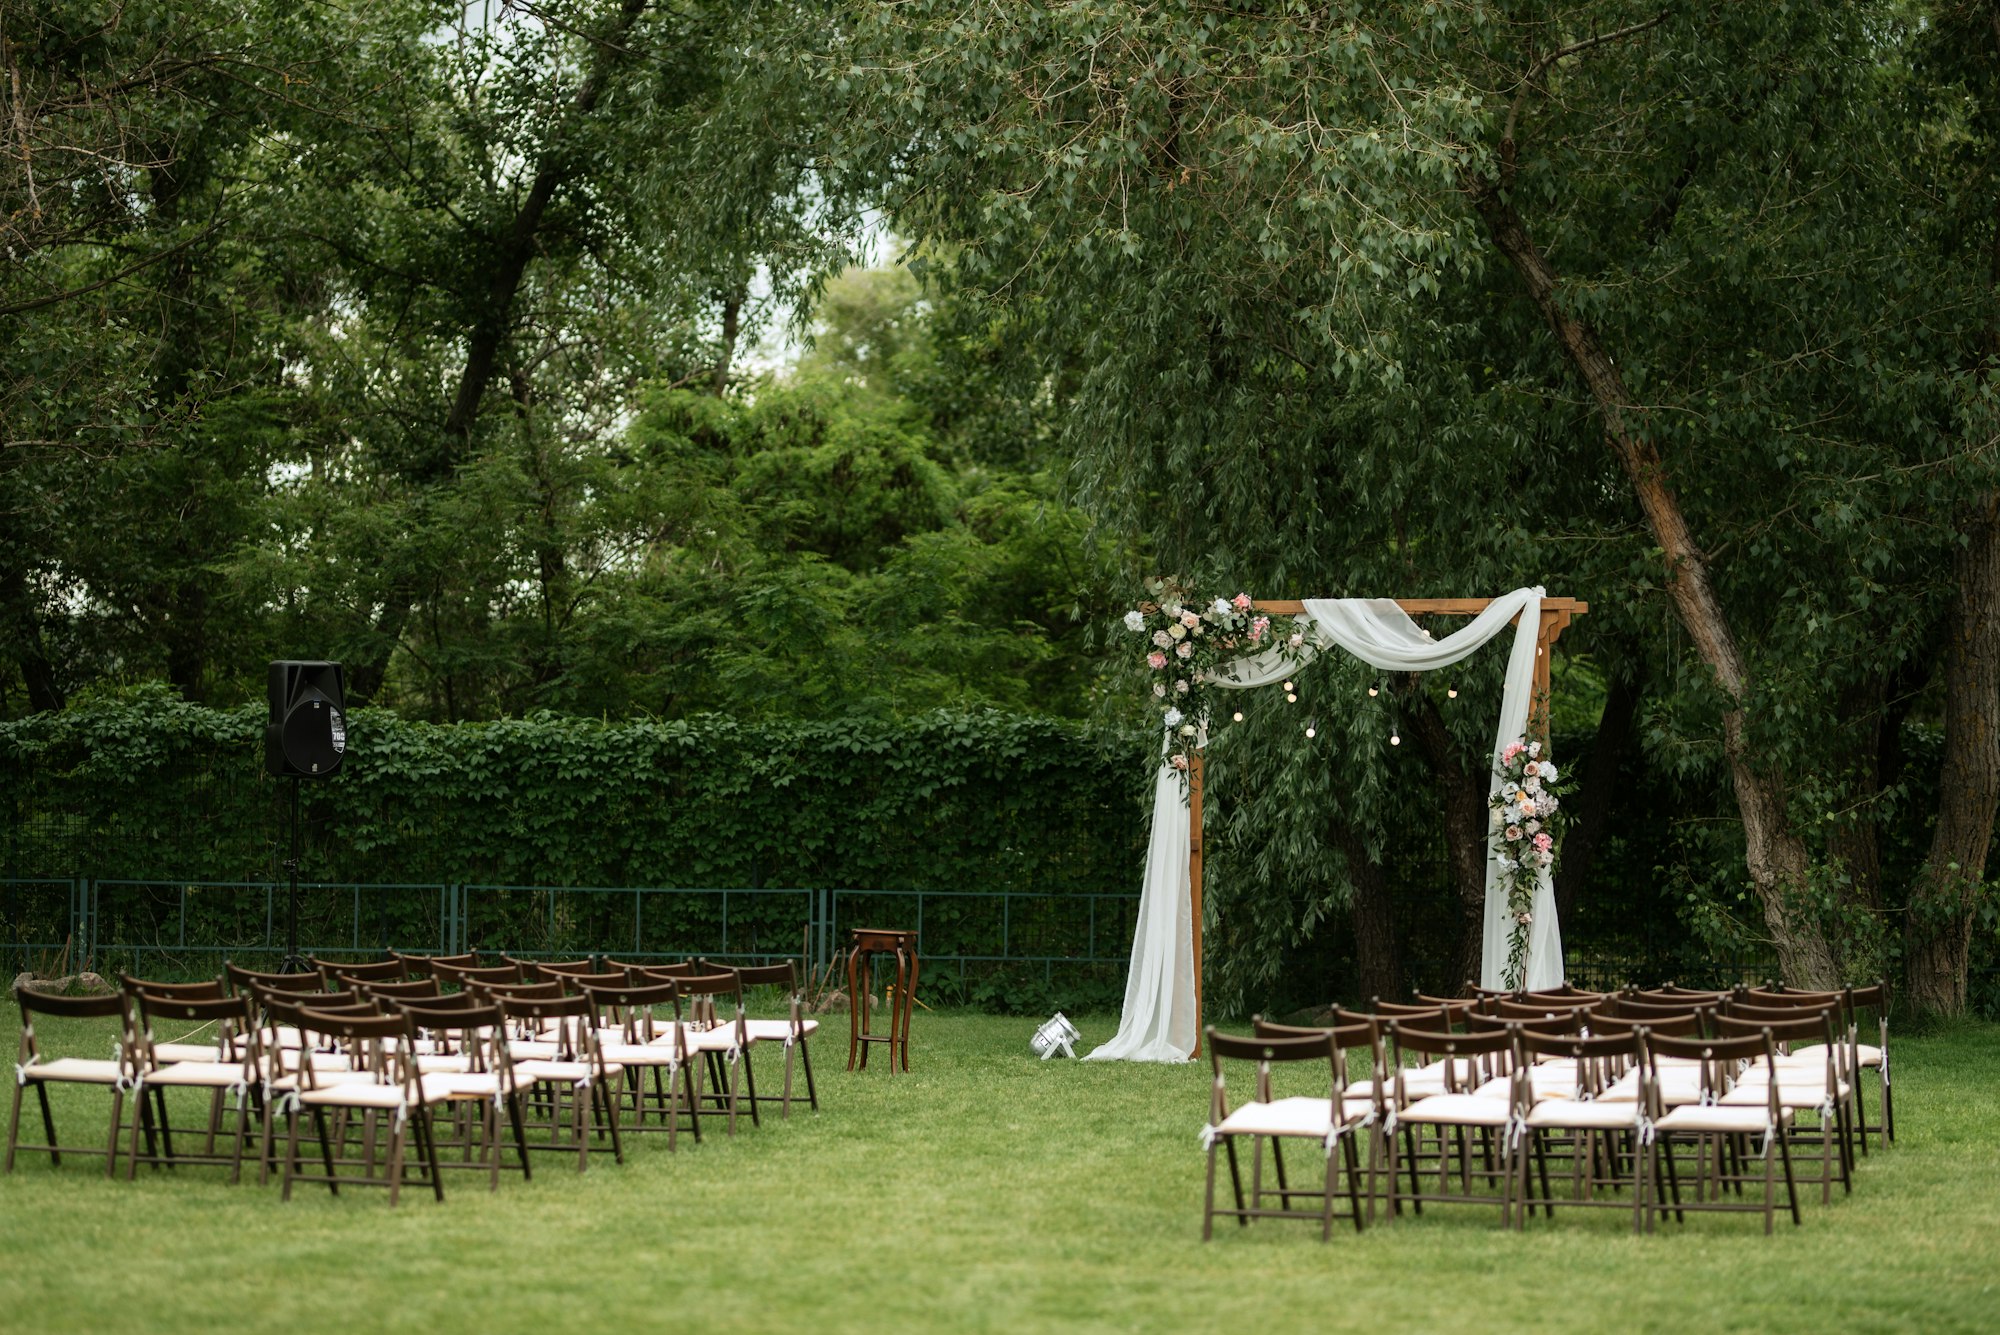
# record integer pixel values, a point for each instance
(171, 926)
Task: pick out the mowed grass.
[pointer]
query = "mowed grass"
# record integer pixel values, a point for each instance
(987, 1190)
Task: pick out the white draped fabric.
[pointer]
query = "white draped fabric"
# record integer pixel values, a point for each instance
(1159, 1018)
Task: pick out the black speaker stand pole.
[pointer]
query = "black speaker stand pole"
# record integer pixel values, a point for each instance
(294, 962)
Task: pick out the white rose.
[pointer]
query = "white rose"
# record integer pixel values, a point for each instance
(1177, 631)
(1549, 772)
(1174, 716)
(1135, 621)
(1162, 639)
(1187, 729)
(1159, 688)
(1222, 606)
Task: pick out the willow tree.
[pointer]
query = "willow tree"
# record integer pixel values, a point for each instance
(1399, 291)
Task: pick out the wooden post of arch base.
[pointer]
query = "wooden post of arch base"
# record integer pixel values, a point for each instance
(1556, 616)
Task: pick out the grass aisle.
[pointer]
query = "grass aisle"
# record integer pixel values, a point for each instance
(987, 1191)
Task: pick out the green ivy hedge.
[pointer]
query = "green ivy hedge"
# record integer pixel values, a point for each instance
(149, 787)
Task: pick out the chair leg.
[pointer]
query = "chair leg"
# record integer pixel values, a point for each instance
(325, 1149)
(48, 1122)
(291, 1151)
(431, 1151)
(1236, 1180)
(750, 1082)
(1208, 1200)
(14, 1123)
(110, 1141)
(398, 1132)
(806, 1060)
(1791, 1185)
(520, 1136)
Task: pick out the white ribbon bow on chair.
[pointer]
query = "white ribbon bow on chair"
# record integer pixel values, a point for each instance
(1209, 1135)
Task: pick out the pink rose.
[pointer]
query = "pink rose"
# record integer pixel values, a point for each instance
(1543, 843)
(1241, 602)
(1180, 762)
(1190, 619)
(1156, 660)
(1184, 649)
(1513, 833)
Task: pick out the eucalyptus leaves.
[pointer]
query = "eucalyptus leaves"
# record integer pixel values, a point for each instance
(1524, 828)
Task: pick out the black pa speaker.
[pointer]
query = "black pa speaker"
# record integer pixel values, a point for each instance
(307, 733)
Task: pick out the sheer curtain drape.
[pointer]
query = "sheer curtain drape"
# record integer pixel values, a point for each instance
(1158, 1023)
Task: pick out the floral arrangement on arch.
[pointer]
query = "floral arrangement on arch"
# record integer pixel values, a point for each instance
(1187, 637)
(1525, 829)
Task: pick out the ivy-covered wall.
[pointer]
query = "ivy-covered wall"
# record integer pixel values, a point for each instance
(155, 788)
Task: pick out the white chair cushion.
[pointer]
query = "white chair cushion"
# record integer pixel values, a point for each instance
(185, 1052)
(775, 1031)
(356, 1094)
(1298, 1116)
(1590, 1115)
(529, 1072)
(1458, 1110)
(1807, 1095)
(202, 1075)
(76, 1070)
(1696, 1117)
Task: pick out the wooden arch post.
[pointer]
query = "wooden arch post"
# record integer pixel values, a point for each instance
(1556, 616)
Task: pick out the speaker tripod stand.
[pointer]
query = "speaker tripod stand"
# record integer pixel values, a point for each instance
(294, 962)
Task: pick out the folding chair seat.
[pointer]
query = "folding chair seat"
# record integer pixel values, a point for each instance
(642, 1044)
(792, 1032)
(34, 1068)
(393, 1089)
(1327, 1121)
(1456, 1114)
(238, 1071)
(1721, 1133)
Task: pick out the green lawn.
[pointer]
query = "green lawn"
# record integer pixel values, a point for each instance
(990, 1191)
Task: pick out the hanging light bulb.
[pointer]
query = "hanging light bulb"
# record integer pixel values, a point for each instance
(1371, 691)
(1288, 686)
(1311, 732)
(1238, 716)
(1451, 693)
(1290, 698)
(1394, 740)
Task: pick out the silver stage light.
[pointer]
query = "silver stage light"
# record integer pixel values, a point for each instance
(1055, 1035)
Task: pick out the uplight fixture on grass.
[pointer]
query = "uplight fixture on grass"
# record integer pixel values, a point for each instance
(1055, 1035)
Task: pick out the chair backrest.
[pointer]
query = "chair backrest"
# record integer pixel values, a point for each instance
(1627, 1008)
(785, 975)
(233, 1018)
(1785, 1027)
(635, 1003)
(548, 991)
(420, 966)
(245, 980)
(207, 987)
(337, 972)
(409, 989)
(465, 975)
(1719, 1059)
(1599, 1058)
(1563, 1022)
(1539, 1010)
(1314, 1046)
(548, 971)
(69, 1008)
(658, 969)
(472, 1031)
(376, 1039)
(1449, 1012)
(1758, 996)
(1469, 1059)
(1686, 1024)
(712, 985)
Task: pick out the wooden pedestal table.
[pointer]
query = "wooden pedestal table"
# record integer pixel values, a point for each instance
(866, 944)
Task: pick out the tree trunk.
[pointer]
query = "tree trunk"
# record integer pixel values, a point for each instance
(1378, 960)
(1465, 819)
(732, 326)
(492, 318)
(1938, 930)
(1777, 856)
(1598, 789)
(22, 616)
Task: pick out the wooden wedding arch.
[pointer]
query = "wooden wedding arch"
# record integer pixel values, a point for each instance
(1556, 615)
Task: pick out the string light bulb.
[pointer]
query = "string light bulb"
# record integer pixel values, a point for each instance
(1371, 691)
(1394, 740)
(1288, 686)
(1290, 698)
(1238, 716)
(1311, 732)
(1451, 693)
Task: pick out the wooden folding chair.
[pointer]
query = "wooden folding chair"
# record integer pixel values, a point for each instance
(575, 1079)
(792, 1032)
(723, 1042)
(462, 1049)
(341, 974)
(1603, 1136)
(237, 1069)
(1461, 1113)
(1815, 1082)
(1720, 1134)
(1266, 1117)
(393, 1089)
(33, 1068)
(645, 1044)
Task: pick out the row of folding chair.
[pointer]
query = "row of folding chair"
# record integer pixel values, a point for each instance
(374, 1056)
(1473, 1100)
